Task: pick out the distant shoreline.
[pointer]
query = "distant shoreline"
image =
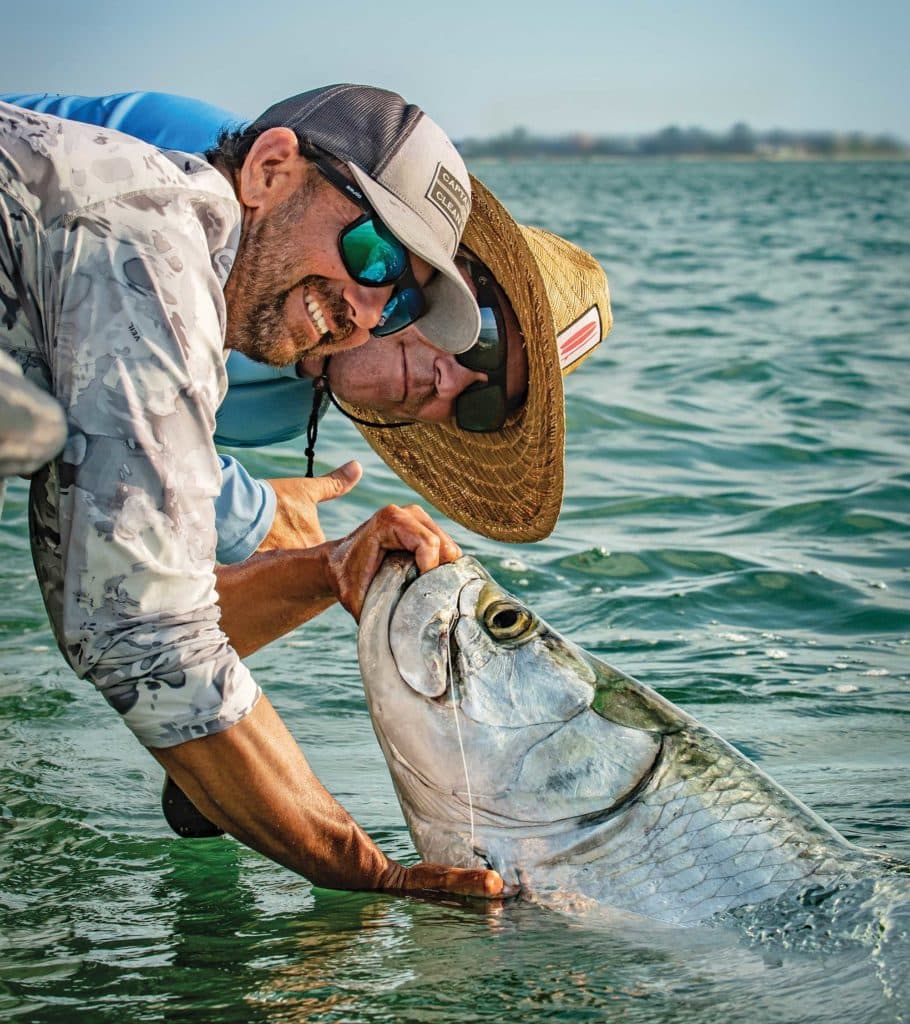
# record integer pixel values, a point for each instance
(740, 143)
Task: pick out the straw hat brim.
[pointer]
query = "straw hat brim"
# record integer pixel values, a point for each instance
(506, 485)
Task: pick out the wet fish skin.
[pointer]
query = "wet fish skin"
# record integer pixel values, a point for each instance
(572, 779)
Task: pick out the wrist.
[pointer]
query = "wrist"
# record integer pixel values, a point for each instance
(309, 572)
(393, 877)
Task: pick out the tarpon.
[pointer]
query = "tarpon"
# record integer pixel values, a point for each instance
(513, 748)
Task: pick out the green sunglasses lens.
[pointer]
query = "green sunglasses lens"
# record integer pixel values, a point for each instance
(372, 254)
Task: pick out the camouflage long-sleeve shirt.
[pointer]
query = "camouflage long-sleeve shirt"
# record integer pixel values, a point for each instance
(113, 256)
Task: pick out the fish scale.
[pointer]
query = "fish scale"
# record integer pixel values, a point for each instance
(704, 838)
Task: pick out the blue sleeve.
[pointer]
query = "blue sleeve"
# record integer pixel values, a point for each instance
(164, 120)
(244, 512)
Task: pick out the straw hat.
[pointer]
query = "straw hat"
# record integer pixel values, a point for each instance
(508, 485)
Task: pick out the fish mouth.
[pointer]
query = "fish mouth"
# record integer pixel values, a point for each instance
(399, 571)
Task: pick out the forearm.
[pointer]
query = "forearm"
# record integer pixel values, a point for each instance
(254, 782)
(270, 594)
(251, 779)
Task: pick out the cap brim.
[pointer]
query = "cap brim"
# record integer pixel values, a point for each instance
(507, 485)
(452, 319)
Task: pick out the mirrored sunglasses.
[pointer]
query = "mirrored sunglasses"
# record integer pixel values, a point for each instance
(371, 254)
(484, 406)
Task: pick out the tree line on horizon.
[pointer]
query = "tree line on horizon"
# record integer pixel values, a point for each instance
(739, 141)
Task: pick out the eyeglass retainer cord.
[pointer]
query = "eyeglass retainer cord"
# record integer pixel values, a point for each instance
(321, 390)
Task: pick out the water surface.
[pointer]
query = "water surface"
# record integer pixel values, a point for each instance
(735, 533)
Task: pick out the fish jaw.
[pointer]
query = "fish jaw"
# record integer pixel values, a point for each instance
(437, 811)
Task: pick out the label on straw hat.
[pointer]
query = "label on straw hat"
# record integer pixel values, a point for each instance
(579, 338)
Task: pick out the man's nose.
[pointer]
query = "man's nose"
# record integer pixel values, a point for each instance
(366, 304)
(452, 378)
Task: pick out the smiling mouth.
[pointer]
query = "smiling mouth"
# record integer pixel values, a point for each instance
(314, 308)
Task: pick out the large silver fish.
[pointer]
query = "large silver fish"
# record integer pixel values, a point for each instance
(513, 748)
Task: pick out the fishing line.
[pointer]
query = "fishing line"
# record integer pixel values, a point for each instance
(464, 762)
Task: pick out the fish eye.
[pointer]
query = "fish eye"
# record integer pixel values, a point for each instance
(506, 620)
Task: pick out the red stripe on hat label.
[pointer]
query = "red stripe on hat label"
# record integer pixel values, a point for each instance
(579, 338)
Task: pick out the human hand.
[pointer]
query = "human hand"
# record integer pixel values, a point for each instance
(253, 781)
(424, 879)
(296, 523)
(353, 561)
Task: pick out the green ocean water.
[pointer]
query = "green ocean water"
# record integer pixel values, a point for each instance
(736, 533)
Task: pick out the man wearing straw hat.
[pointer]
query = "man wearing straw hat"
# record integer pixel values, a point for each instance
(507, 482)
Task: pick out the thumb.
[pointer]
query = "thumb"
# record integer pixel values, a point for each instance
(338, 482)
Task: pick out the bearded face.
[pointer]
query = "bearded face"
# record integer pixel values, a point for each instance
(289, 293)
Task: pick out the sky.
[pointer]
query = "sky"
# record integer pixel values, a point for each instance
(482, 67)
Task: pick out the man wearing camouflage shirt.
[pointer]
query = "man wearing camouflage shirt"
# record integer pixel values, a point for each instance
(120, 270)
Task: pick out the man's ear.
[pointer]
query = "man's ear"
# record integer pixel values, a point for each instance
(272, 169)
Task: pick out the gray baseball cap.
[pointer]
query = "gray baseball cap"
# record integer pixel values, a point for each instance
(412, 175)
